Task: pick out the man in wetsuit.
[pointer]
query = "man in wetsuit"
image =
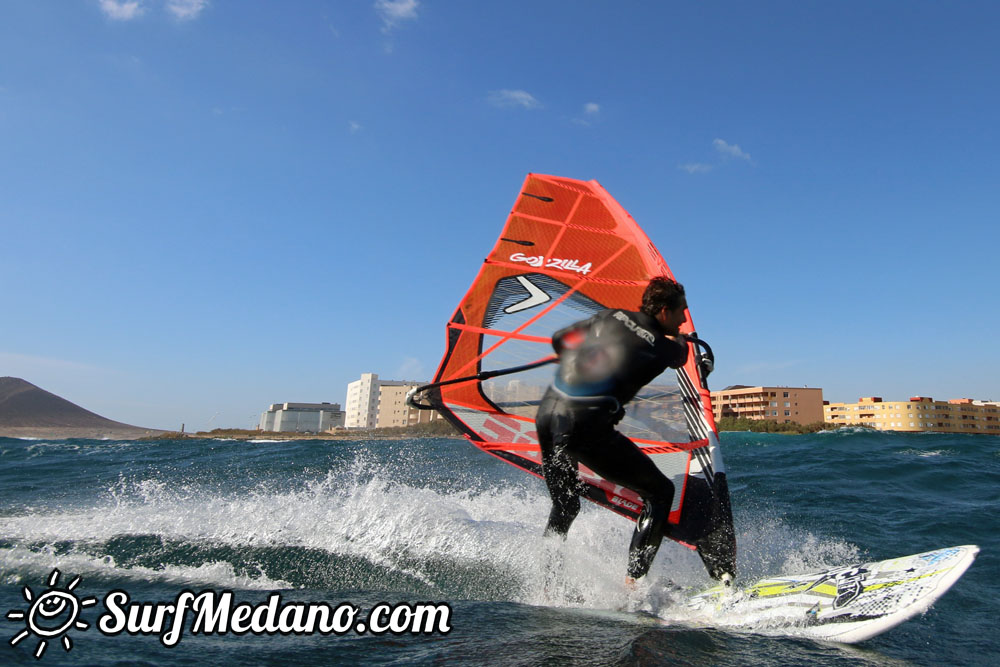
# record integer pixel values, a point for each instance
(603, 363)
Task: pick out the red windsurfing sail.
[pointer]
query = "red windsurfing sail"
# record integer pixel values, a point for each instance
(567, 251)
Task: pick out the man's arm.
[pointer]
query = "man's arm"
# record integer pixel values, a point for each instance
(570, 337)
(679, 347)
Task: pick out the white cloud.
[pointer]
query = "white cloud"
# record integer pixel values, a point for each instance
(121, 10)
(394, 12)
(355, 126)
(410, 369)
(514, 98)
(127, 10)
(730, 150)
(725, 149)
(186, 10)
(591, 112)
(696, 167)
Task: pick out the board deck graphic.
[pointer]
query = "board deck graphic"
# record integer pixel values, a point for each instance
(847, 604)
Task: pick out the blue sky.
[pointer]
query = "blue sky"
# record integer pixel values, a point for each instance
(208, 206)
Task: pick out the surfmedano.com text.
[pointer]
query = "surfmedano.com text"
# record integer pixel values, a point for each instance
(214, 612)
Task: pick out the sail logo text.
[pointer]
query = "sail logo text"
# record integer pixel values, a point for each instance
(539, 261)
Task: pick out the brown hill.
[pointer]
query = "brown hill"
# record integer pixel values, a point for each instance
(29, 411)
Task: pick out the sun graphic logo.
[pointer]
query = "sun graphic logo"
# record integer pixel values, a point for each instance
(51, 615)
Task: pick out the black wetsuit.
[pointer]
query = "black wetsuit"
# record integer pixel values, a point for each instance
(603, 363)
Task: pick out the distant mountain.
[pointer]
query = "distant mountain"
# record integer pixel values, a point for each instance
(29, 411)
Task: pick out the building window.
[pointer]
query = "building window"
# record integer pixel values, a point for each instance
(785, 395)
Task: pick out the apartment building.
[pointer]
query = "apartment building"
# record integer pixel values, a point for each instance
(801, 405)
(393, 411)
(376, 403)
(301, 417)
(362, 401)
(920, 413)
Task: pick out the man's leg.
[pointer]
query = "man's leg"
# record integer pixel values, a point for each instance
(621, 462)
(558, 466)
(564, 488)
(647, 536)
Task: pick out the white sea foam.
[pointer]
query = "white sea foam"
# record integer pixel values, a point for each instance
(923, 453)
(47, 447)
(40, 446)
(845, 430)
(26, 566)
(404, 528)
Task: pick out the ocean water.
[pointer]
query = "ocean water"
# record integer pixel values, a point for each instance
(434, 520)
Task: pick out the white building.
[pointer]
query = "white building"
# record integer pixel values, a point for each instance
(362, 401)
(375, 403)
(302, 417)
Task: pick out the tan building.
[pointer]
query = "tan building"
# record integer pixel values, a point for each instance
(920, 413)
(376, 403)
(802, 405)
(393, 411)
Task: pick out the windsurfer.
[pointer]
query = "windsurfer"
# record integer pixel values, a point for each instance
(603, 363)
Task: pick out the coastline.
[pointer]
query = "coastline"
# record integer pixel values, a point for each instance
(287, 435)
(397, 433)
(67, 433)
(85, 432)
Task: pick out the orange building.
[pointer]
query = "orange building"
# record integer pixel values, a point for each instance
(801, 405)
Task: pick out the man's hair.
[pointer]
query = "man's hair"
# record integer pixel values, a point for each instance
(662, 292)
